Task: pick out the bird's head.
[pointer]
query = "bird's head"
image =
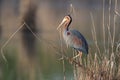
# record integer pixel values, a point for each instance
(65, 22)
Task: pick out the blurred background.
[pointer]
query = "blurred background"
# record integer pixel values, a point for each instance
(32, 53)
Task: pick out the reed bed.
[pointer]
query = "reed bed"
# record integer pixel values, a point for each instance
(101, 63)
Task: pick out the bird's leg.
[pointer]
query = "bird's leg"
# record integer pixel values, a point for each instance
(79, 54)
(71, 59)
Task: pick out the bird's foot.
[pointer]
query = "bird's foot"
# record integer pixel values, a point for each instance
(71, 60)
(78, 55)
(60, 58)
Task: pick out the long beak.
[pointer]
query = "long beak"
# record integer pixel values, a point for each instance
(61, 24)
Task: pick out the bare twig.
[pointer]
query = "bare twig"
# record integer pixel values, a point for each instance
(114, 26)
(2, 53)
(104, 23)
(94, 33)
(61, 45)
(108, 26)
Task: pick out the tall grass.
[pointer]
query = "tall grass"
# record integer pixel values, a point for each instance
(99, 64)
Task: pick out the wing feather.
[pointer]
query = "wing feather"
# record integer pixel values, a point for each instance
(79, 38)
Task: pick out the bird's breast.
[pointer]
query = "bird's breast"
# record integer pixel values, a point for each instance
(68, 37)
(75, 40)
(72, 40)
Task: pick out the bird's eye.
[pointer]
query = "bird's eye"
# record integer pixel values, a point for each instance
(68, 33)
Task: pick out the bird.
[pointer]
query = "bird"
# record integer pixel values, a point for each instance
(72, 37)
